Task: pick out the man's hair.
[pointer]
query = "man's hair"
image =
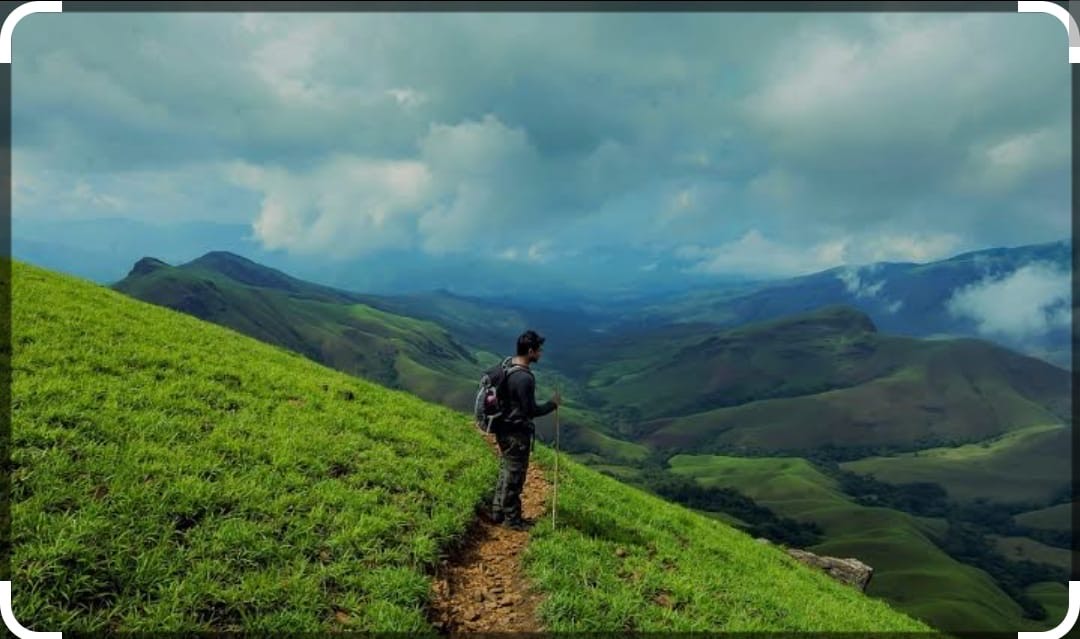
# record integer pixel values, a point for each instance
(529, 339)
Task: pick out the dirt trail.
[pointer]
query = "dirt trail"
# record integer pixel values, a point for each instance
(482, 587)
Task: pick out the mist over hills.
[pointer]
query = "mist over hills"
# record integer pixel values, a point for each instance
(1018, 297)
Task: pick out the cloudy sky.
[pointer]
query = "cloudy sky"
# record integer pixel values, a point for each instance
(764, 144)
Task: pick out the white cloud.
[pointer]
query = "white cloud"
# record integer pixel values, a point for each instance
(1021, 305)
(345, 206)
(1003, 163)
(539, 252)
(407, 97)
(827, 89)
(85, 193)
(856, 285)
(907, 248)
(285, 62)
(859, 282)
(485, 174)
(754, 254)
(471, 185)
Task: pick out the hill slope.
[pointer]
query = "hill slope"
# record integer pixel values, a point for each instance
(332, 327)
(172, 474)
(433, 345)
(824, 378)
(168, 473)
(909, 566)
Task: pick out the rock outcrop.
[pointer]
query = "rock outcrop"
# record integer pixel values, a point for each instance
(848, 570)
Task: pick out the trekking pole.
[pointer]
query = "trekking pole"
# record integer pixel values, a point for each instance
(555, 496)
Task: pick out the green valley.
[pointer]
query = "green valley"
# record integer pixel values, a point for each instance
(170, 474)
(820, 419)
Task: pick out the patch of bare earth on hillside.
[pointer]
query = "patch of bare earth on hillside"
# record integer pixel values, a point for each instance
(481, 587)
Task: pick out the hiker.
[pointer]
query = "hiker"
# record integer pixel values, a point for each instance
(514, 431)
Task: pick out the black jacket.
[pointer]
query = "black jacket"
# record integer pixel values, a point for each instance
(521, 387)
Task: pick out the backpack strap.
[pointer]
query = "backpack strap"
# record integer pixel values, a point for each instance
(518, 367)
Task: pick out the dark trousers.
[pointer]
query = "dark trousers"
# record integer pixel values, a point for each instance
(514, 445)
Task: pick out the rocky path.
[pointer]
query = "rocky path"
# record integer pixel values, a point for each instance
(482, 587)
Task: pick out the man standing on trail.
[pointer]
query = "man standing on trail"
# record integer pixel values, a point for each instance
(514, 434)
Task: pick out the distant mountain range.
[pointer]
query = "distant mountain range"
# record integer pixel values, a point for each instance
(329, 326)
(104, 249)
(968, 295)
(675, 386)
(990, 293)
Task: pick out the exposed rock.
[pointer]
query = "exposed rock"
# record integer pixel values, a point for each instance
(849, 571)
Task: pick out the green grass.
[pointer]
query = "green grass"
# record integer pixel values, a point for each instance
(327, 326)
(1054, 597)
(169, 474)
(897, 410)
(1027, 465)
(680, 571)
(910, 570)
(172, 474)
(1023, 548)
(1057, 517)
(822, 378)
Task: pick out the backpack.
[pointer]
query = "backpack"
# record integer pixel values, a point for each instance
(492, 398)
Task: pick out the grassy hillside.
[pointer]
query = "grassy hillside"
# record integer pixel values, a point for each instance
(1024, 549)
(329, 326)
(826, 378)
(1029, 465)
(433, 345)
(168, 473)
(622, 560)
(172, 474)
(910, 569)
(1053, 596)
(1057, 517)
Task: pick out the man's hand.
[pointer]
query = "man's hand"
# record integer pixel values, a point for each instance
(556, 399)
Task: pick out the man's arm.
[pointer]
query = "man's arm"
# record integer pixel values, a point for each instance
(525, 394)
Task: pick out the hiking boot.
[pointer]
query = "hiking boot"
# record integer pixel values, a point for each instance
(518, 524)
(492, 516)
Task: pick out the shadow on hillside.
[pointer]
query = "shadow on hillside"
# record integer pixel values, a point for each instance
(599, 525)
